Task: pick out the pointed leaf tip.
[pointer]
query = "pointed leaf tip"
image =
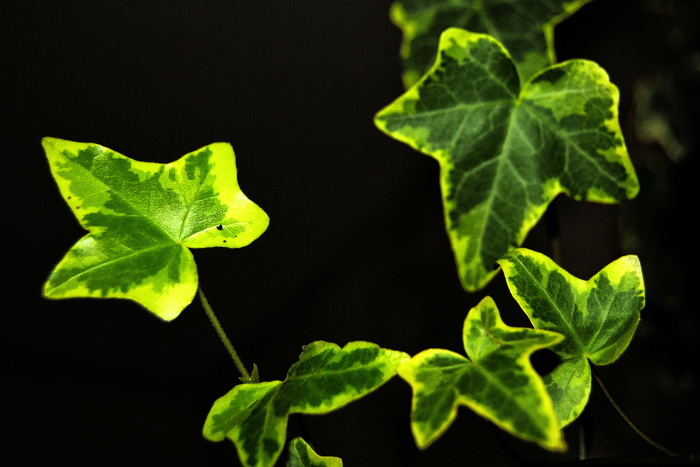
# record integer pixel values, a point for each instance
(301, 455)
(497, 381)
(325, 378)
(507, 149)
(597, 317)
(142, 218)
(526, 28)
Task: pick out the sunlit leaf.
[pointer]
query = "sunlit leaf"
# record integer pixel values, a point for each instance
(598, 317)
(497, 381)
(505, 150)
(525, 27)
(301, 455)
(326, 378)
(142, 218)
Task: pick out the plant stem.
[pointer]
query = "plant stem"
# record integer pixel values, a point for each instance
(245, 376)
(553, 229)
(629, 422)
(582, 442)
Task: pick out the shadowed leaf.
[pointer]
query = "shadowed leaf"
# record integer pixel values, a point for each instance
(525, 27)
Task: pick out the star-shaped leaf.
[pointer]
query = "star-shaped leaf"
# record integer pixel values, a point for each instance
(142, 218)
(497, 381)
(301, 455)
(525, 27)
(506, 150)
(598, 317)
(326, 378)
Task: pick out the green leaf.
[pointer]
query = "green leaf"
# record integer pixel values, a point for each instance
(301, 455)
(142, 218)
(598, 317)
(497, 381)
(326, 378)
(506, 151)
(525, 27)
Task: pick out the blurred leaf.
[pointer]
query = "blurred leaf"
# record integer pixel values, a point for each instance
(665, 99)
(301, 455)
(525, 27)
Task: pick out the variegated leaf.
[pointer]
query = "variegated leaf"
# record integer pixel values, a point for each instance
(497, 381)
(142, 218)
(525, 27)
(506, 150)
(301, 455)
(598, 317)
(326, 378)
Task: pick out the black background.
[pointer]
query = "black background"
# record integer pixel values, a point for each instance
(356, 248)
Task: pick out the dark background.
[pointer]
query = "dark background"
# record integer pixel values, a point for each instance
(356, 248)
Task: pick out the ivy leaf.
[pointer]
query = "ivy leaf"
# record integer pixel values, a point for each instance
(497, 381)
(506, 151)
(525, 27)
(142, 218)
(301, 455)
(598, 317)
(326, 378)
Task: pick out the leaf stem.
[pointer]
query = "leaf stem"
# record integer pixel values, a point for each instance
(629, 422)
(553, 230)
(245, 376)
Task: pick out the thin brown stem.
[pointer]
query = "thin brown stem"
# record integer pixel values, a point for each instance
(629, 422)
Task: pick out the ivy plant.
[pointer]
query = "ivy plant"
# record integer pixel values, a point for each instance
(507, 149)
(511, 130)
(497, 381)
(142, 219)
(525, 27)
(301, 455)
(326, 378)
(579, 320)
(598, 318)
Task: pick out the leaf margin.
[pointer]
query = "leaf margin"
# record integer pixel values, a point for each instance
(409, 370)
(86, 196)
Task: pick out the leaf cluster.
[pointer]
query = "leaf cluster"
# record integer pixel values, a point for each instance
(511, 130)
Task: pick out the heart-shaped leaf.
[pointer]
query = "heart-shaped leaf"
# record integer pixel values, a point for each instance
(598, 317)
(505, 150)
(497, 381)
(142, 218)
(326, 378)
(301, 455)
(525, 27)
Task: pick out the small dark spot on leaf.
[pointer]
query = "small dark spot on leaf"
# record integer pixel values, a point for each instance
(77, 207)
(69, 197)
(224, 241)
(220, 227)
